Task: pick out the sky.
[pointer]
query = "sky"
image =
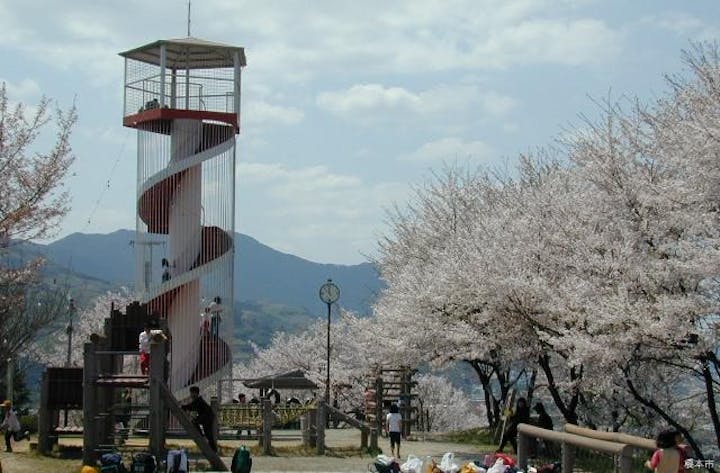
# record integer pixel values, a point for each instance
(347, 105)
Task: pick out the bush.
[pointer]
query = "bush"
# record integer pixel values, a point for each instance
(29, 422)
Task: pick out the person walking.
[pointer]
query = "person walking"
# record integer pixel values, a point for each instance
(393, 429)
(11, 425)
(205, 419)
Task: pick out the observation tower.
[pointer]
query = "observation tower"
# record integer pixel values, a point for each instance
(183, 98)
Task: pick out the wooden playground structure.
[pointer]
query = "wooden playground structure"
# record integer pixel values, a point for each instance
(393, 385)
(94, 393)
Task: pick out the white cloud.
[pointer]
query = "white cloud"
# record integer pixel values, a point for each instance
(683, 24)
(449, 149)
(324, 215)
(417, 36)
(295, 42)
(368, 101)
(26, 89)
(363, 97)
(260, 113)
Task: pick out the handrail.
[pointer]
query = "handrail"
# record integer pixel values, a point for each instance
(576, 440)
(568, 440)
(635, 441)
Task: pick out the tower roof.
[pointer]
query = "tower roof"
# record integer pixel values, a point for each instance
(188, 53)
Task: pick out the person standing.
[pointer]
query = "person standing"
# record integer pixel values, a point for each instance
(12, 427)
(205, 419)
(520, 416)
(393, 429)
(144, 346)
(666, 459)
(544, 419)
(215, 309)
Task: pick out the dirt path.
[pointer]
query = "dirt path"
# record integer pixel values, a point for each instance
(24, 461)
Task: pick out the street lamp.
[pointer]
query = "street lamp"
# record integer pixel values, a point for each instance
(329, 294)
(69, 330)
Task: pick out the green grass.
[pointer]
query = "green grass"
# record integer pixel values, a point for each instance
(481, 438)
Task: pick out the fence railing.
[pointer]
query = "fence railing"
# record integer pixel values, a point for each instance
(615, 455)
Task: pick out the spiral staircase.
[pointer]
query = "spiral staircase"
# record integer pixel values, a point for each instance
(198, 357)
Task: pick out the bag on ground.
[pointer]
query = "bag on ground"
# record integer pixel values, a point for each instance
(177, 461)
(241, 462)
(447, 464)
(144, 462)
(112, 463)
(498, 467)
(412, 465)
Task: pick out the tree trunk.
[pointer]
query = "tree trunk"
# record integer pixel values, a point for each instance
(567, 410)
(712, 404)
(485, 381)
(649, 403)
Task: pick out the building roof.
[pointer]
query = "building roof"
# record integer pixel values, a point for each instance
(188, 53)
(290, 380)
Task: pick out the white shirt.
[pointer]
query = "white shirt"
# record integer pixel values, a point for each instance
(214, 308)
(394, 422)
(144, 340)
(11, 422)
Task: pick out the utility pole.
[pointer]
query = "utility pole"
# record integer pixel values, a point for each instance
(147, 273)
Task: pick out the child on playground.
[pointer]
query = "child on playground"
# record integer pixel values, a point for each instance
(144, 345)
(393, 428)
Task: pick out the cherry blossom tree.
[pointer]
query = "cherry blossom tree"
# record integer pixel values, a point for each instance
(52, 349)
(589, 264)
(32, 202)
(448, 409)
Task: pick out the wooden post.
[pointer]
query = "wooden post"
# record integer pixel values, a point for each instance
(523, 453)
(626, 459)
(268, 418)
(44, 425)
(89, 405)
(215, 406)
(363, 439)
(157, 407)
(374, 439)
(307, 424)
(320, 427)
(568, 457)
(379, 403)
(405, 399)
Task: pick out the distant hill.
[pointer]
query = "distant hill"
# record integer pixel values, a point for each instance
(262, 274)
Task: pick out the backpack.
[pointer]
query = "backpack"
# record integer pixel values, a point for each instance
(177, 461)
(241, 462)
(144, 463)
(112, 463)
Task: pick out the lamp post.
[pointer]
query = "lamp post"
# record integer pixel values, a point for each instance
(10, 371)
(329, 294)
(69, 330)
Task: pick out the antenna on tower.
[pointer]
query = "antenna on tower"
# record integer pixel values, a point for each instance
(189, 18)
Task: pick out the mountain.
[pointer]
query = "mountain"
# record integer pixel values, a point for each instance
(262, 274)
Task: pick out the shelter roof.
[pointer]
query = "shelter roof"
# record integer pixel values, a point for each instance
(188, 53)
(290, 380)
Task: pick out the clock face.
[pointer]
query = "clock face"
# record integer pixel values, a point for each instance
(329, 293)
